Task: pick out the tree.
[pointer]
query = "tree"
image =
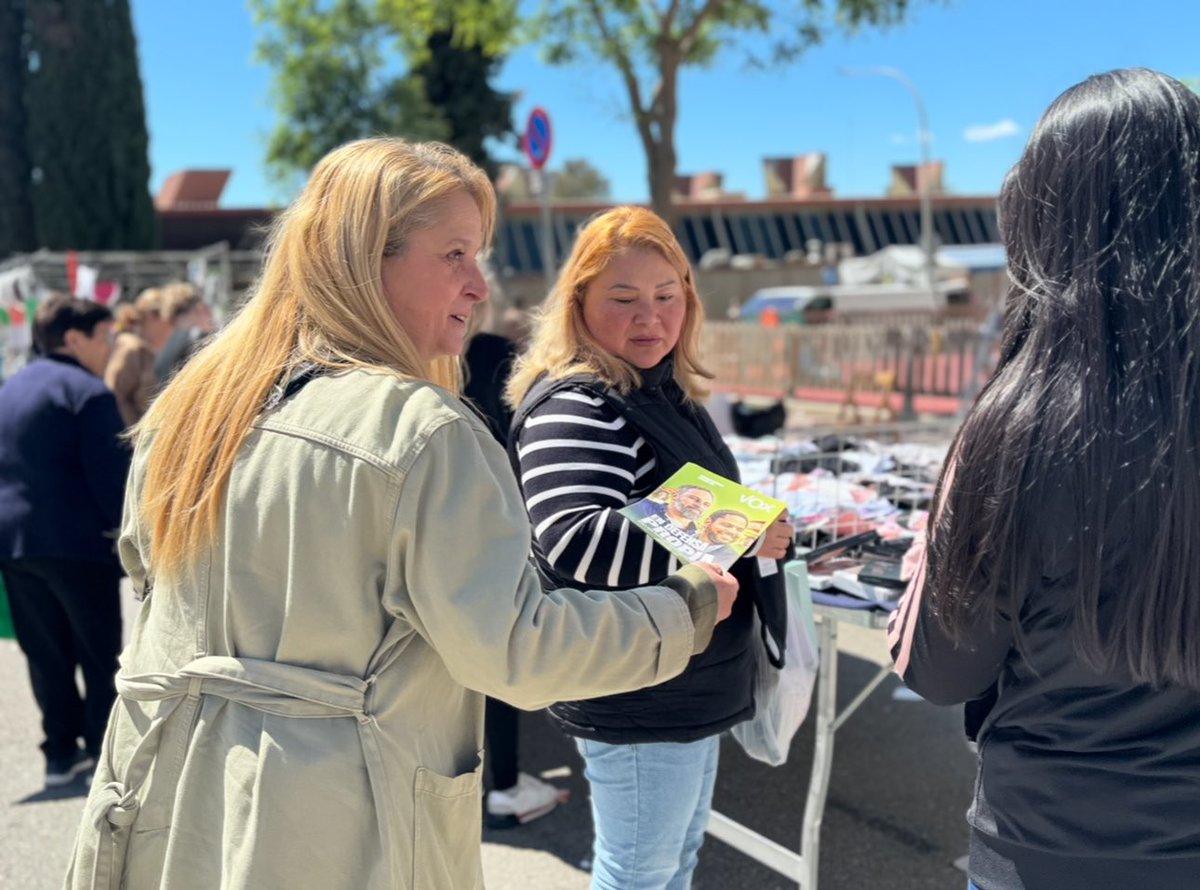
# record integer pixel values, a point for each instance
(329, 86)
(579, 181)
(16, 209)
(456, 83)
(86, 127)
(650, 42)
(348, 69)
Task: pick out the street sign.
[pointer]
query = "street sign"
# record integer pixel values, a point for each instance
(538, 140)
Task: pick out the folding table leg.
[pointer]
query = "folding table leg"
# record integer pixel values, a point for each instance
(818, 788)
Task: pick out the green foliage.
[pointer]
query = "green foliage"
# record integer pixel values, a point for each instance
(649, 41)
(329, 85)
(579, 181)
(643, 30)
(85, 126)
(456, 82)
(491, 26)
(335, 58)
(16, 210)
(576, 180)
(349, 69)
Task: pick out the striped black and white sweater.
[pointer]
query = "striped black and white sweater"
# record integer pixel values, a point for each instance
(580, 462)
(580, 458)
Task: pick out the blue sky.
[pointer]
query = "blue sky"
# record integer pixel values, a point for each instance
(988, 64)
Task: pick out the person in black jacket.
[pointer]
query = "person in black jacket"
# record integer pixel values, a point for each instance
(514, 797)
(608, 409)
(62, 481)
(1060, 582)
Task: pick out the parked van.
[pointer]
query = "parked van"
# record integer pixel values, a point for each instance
(803, 304)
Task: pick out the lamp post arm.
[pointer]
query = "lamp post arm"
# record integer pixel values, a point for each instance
(927, 233)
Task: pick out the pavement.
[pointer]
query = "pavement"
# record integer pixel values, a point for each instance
(901, 782)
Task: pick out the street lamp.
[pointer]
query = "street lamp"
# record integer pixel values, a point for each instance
(908, 410)
(923, 171)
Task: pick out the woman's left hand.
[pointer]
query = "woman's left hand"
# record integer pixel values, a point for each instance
(775, 539)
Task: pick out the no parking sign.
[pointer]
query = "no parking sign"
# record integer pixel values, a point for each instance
(538, 138)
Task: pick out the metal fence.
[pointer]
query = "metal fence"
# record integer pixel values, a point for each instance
(223, 273)
(896, 364)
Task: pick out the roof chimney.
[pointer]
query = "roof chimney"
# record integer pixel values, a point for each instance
(909, 179)
(192, 190)
(802, 176)
(699, 186)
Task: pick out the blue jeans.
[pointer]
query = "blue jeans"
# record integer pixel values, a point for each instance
(650, 806)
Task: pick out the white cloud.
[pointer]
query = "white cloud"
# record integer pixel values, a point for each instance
(899, 139)
(988, 132)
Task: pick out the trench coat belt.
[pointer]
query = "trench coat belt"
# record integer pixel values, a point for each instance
(273, 687)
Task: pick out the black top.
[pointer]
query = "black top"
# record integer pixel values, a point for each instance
(62, 463)
(1087, 781)
(489, 360)
(184, 343)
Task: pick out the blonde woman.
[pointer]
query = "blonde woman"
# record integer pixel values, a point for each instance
(608, 398)
(332, 555)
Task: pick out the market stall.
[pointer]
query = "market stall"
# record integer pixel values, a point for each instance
(859, 486)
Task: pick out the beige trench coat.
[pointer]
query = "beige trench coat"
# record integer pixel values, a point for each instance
(307, 710)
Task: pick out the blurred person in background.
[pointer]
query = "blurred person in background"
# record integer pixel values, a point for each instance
(175, 323)
(130, 371)
(514, 324)
(1059, 590)
(487, 362)
(514, 797)
(608, 409)
(62, 475)
(334, 560)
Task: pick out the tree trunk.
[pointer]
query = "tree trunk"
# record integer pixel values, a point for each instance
(660, 156)
(663, 112)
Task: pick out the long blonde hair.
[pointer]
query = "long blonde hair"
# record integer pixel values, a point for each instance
(561, 344)
(319, 300)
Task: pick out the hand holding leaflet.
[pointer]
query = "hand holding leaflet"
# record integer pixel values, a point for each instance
(703, 517)
(727, 589)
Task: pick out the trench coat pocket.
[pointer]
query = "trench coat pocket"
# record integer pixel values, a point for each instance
(447, 830)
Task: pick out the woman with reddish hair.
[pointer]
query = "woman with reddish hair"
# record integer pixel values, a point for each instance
(608, 407)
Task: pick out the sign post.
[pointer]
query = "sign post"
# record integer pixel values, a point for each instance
(538, 140)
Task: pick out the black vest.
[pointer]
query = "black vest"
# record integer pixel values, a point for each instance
(716, 690)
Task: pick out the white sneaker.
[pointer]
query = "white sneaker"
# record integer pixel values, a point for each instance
(63, 770)
(529, 799)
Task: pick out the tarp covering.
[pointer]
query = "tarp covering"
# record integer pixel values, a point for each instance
(905, 264)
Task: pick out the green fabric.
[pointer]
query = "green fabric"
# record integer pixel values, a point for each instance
(6, 625)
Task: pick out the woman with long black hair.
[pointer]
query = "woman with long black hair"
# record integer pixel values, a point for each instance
(1062, 573)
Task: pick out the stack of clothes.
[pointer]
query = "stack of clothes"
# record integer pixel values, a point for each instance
(836, 487)
(840, 484)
